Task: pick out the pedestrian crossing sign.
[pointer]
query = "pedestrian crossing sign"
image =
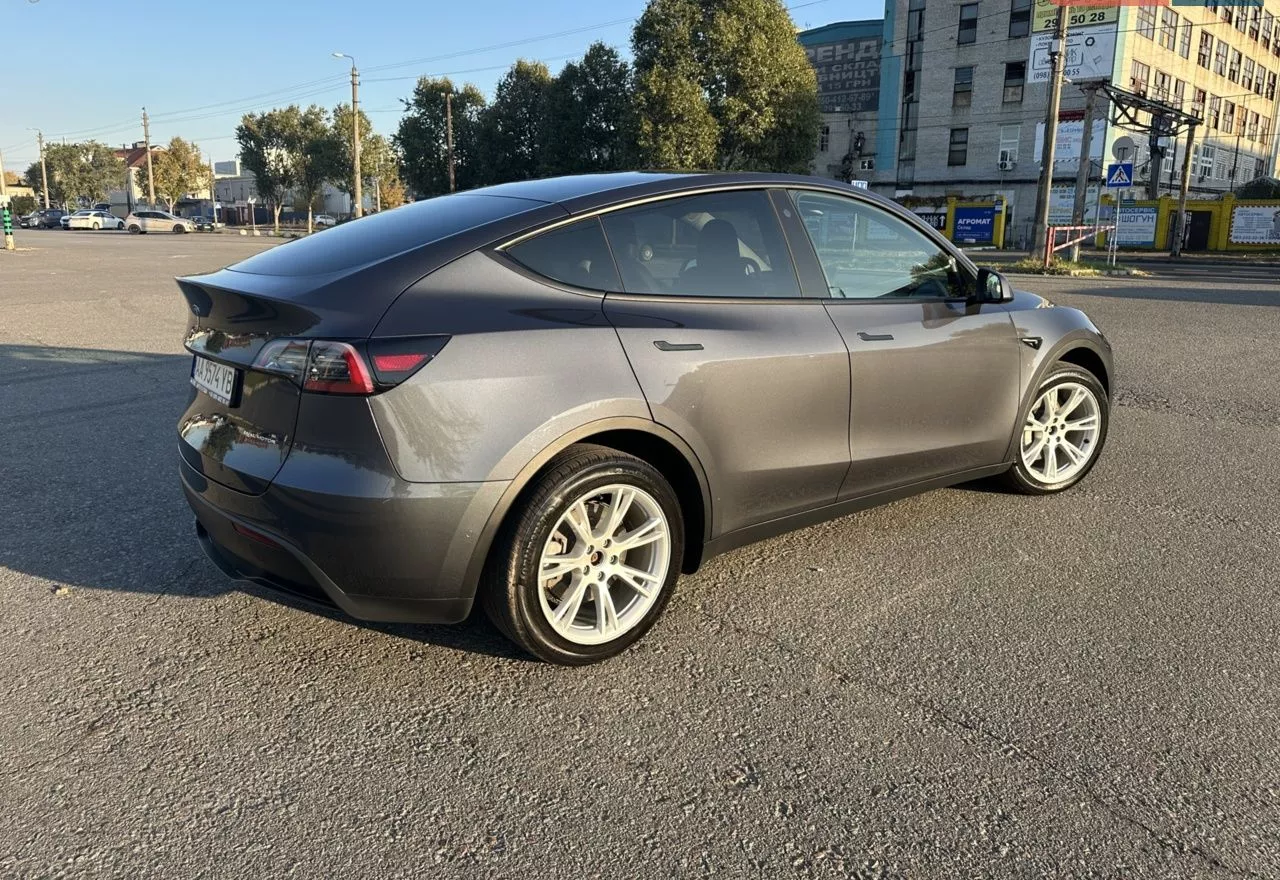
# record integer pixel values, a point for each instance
(1120, 174)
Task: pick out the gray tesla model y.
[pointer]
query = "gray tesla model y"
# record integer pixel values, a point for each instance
(555, 396)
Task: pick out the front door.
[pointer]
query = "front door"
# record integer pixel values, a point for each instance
(729, 355)
(935, 376)
(1198, 231)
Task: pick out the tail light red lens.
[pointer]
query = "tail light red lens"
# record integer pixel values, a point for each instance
(399, 357)
(336, 368)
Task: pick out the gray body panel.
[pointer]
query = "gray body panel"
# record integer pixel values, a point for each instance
(784, 416)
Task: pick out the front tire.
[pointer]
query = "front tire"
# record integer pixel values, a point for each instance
(178, 229)
(134, 229)
(585, 564)
(97, 226)
(1062, 433)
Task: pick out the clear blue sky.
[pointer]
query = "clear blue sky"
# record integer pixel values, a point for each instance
(197, 67)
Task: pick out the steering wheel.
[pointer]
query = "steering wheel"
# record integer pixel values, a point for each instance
(749, 266)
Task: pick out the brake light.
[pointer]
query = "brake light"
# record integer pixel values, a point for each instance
(398, 357)
(336, 368)
(397, 363)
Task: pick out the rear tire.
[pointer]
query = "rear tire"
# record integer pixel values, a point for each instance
(570, 582)
(1062, 435)
(178, 229)
(97, 226)
(134, 229)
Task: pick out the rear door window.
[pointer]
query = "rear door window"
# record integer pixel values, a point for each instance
(575, 254)
(726, 244)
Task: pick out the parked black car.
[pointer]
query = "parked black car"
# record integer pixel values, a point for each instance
(50, 218)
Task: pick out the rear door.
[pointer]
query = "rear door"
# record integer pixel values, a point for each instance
(935, 375)
(728, 353)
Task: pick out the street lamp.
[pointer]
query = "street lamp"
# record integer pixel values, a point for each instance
(44, 174)
(357, 209)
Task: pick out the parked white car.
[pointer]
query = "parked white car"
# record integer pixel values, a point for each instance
(157, 221)
(325, 220)
(94, 220)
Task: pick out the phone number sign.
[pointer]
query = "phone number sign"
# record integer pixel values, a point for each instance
(1045, 16)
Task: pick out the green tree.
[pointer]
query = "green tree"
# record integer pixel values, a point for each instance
(590, 118)
(266, 148)
(420, 138)
(731, 70)
(345, 180)
(79, 172)
(178, 169)
(384, 173)
(316, 151)
(20, 205)
(512, 127)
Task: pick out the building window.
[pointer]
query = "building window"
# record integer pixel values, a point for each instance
(1161, 86)
(1255, 19)
(1168, 28)
(1227, 14)
(1264, 37)
(1264, 131)
(1147, 21)
(1270, 93)
(1179, 93)
(1233, 70)
(1242, 20)
(1228, 117)
(1246, 75)
(1197, 104)
(1215, 111)
(1015, 77)
(962, 91)
(824, 139)
(968, 32)
(1010, 135)
(1260, 80)
(1220, 59)
(1205, 161)
(1184, 44)
(1138, 76)
(958, 148)
(1205, 52)
(1252, 132)
(1020, 18)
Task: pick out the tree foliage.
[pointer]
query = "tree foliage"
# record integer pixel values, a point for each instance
(20, 205)
(345, 179)
(178, 169)
(315, 150)
(420, 139)
(83, 172)
(266, 148)
(591, 121)
(512, 127)
(728, 72)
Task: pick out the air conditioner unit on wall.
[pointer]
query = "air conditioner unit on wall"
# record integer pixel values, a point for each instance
(1007, 164)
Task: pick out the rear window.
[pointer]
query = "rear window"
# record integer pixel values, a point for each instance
(575, 254)
(383, 235)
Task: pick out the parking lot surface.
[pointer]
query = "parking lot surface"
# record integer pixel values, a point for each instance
(960, 684)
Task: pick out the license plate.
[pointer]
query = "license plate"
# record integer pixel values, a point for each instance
(215, 379)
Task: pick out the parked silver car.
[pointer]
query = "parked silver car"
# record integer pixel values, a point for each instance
(157, 221)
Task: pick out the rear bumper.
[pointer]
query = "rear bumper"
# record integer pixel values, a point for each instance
(397, 553)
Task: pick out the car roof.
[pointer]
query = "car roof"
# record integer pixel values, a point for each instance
(588, 192)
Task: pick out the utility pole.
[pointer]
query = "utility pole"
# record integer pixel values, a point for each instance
(6, 216)
(1057, 61)
(1181, 231)
(151, 178)
(1082, 171)
(44, 173)
(448, 136)
(357, 208)
(213, 194)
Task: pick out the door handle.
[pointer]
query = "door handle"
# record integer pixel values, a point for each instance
(663, 345)
(874, 337)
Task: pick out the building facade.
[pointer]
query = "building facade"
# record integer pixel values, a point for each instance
(846, 58)
(965, 89)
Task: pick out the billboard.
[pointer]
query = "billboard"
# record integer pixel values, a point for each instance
(848, 74)
(1090, 52)
(1062, 202)
(1136, 226)
(975, 225)
(1070, 138)
(1045, 15)
(1255, 224)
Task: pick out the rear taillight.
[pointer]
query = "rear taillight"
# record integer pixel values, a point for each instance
(336, 368)
(329, 367)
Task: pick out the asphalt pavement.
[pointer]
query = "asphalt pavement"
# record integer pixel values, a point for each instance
(962, 684)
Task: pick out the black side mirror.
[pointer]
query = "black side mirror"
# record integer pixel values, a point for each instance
(993, 287)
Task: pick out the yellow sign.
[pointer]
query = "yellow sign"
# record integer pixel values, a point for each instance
(1046, 15)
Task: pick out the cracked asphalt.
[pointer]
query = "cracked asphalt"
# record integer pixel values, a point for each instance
(963, 684)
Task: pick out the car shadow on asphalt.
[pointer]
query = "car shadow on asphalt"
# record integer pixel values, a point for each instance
(89, 489)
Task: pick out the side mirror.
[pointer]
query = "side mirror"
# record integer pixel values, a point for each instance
(993, 287)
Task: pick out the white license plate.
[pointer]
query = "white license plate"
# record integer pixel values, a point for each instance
(214, 379)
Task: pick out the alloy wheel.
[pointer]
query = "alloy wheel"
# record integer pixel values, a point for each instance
(604, 564)
(1061, 433)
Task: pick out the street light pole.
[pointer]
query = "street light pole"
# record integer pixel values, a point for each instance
(151, 179)
(358, 208)
(1057, 61)
(44, 174)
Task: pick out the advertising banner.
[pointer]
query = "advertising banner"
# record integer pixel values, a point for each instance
(1136, 226)
(848, 74)
(1062, 202)
(935, 217)
(1090, 53)
(1045, 16)
(1255, 224)
(1070, 137)
(976, 225)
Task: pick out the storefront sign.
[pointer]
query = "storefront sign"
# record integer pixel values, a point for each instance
(1255, 224)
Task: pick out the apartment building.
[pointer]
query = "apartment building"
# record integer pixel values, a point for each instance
(965, 90)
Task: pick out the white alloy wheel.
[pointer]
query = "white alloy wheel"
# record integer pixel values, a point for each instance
(1061, 433)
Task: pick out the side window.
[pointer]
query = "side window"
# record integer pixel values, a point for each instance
(867, 253)
(575, 254)
(718, 244)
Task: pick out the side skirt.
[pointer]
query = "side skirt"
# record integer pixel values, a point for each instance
(771, 529)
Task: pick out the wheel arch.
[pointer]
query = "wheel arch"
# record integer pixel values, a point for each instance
(1078, 349)
(646, 440)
